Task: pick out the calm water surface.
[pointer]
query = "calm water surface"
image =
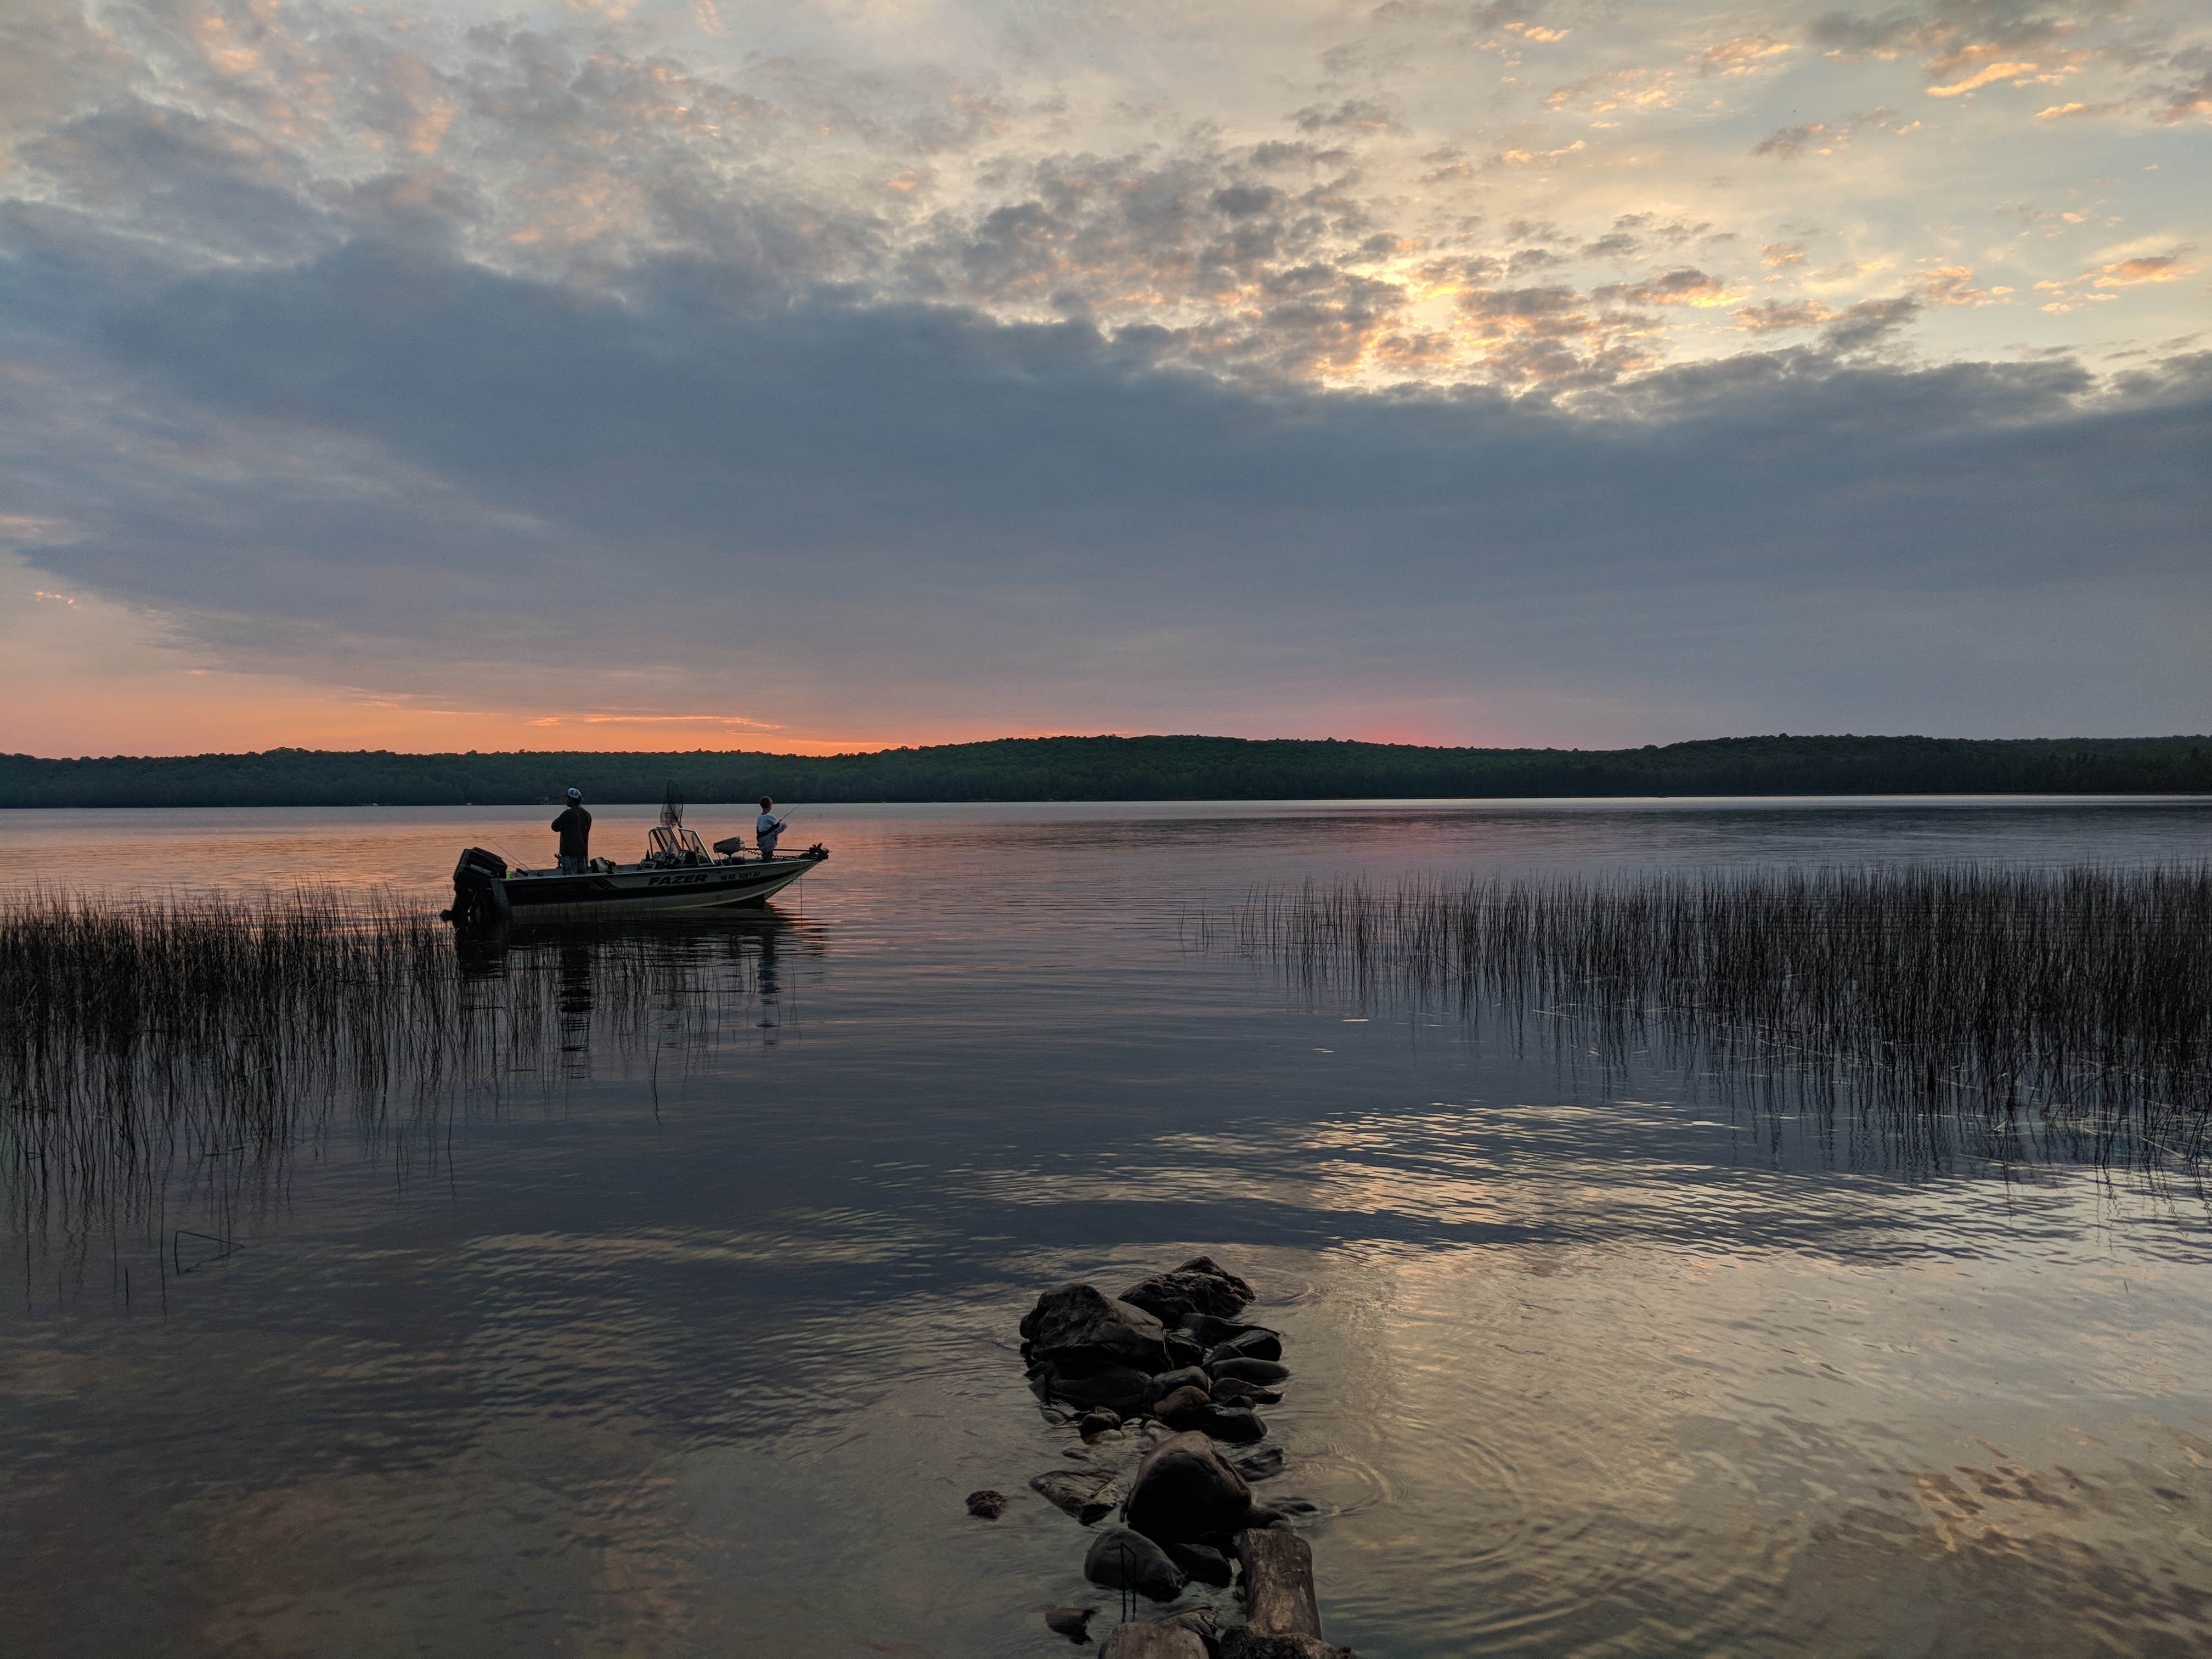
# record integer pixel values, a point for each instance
(693, 1345)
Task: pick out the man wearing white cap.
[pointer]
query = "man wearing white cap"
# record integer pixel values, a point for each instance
(574, 827)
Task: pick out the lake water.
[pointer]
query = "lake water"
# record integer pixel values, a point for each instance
(694, 1346)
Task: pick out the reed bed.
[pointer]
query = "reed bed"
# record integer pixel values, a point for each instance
(210, 1035)
(2080, 995)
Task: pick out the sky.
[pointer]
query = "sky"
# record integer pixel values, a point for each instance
(640, 374)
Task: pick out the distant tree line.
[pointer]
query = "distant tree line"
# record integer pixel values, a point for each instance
(1129, 769)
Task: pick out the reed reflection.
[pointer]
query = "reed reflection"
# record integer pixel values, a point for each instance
(2011, 1012)
(172, 1056)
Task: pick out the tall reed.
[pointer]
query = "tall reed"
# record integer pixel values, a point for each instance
(2081, 993)
(210, 1034)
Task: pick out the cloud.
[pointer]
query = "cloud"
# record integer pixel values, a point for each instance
(1353, 114)
(1983, 76)
(1769, 315)
(2070, 112)
(2189, 97)
(1741, 54)
(1825, 138)
(1683, 287)
(2128, 273)
(1870, 323)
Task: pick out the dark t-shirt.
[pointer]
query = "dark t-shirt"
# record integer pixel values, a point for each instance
(576, 828)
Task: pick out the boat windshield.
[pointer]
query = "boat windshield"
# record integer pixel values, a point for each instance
(675, 845)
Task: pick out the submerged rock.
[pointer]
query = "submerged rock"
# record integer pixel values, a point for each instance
(1262, 1465)
(1236, 1391)
(1121, 1559)
(1181, 1351)
(1121, 1389)
(1247, 1371)
(1259, 1343)
(1209, 1331)
(1073, 1623)
(1088, 1495)
(1185, 1408)
(1185, 1376)
(986, 1506)
(1080, 1331)
(1233, 1423)
(1202, 1562)
(1198, 1286)
(1252, 1342)
(1186, 1490)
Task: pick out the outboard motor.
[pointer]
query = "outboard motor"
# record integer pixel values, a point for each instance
(479, 890)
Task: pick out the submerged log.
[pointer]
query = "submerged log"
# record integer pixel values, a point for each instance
(1280, 1599)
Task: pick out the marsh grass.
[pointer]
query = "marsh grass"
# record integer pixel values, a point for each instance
(2072, 1006)
(187, 1045)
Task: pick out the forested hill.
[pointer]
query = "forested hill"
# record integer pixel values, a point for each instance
(1129, 769)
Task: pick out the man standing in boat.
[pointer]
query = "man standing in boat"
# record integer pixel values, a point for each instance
(767, 828)
(574, 827)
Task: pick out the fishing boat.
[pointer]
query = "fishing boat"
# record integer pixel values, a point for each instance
(679, 876)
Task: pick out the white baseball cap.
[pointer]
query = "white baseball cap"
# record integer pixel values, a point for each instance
(575, 794)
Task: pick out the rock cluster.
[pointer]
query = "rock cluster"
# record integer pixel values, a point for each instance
(1168, 1358)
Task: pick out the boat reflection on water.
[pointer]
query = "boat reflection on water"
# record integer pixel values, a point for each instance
(687, 984)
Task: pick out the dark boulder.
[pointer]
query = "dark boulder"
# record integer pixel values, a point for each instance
(1181, 1351)
(1198, 1286)
(1098, 1420)
(1232, 1423)
(1088, 1495)
(1247, 1371)
(1185, 1408)
(1185, 1490)
(1080, 1330)
(1205, 1565)
(986, 1506)
(1256, 1343)
(1123, 1389)
(1121, 1559)
(1187, 1377)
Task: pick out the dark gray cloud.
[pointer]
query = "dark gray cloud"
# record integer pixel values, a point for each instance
(387, 457)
